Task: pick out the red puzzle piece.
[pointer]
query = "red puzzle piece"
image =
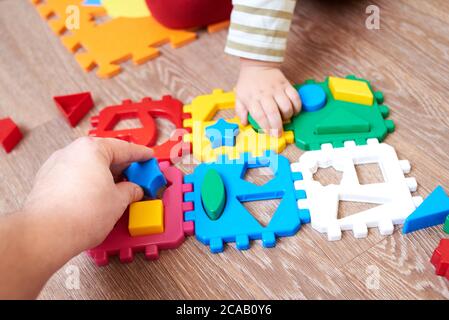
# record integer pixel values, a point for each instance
(146, 111)
(440, 258)
(120, 242)
(75, 106)
(10, 134)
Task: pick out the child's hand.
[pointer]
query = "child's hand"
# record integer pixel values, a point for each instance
(264, 92)
(75, 189)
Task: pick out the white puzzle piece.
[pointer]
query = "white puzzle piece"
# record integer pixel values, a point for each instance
(393, 195)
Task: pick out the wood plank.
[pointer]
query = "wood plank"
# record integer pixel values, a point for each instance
(407, 59)
(399, 268)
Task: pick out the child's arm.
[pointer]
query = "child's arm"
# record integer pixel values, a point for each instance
(72, 207)
(258, 34)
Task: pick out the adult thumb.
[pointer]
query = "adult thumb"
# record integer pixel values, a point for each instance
(130, 191)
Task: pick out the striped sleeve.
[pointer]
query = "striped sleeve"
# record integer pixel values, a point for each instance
(259, 29)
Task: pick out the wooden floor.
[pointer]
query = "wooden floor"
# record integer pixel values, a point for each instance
(408, 59)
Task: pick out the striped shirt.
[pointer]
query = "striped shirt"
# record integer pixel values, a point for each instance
(259, 29)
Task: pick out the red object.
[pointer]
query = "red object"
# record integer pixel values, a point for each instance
(185, 14)
(10, 134)
(440, 259)
(75, 106)
(145, 111)
(119, 241)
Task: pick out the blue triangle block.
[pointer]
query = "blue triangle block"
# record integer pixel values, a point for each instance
(431, 212)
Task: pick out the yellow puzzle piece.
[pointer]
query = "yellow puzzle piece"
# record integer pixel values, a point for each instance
(126, 8)
(351, 91)
(146, 217)
(203, 109)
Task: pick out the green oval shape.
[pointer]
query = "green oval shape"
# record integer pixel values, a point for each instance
(213, 194)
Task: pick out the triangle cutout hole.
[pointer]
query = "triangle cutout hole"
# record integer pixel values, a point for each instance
(224, 113)
(259, 176)
(349, 208)
(262, 210)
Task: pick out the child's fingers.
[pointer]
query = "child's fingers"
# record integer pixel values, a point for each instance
(285, 105)
(242, 112)
(258, 114)
(293, 95)
(274, 117)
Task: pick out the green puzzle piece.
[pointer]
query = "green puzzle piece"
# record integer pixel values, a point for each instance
(213, 194)
(340, 121)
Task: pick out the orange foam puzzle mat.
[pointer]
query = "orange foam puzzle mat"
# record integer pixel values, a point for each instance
(107, 44)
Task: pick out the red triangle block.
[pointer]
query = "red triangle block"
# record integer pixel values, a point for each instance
(75, 106)
(10, 134)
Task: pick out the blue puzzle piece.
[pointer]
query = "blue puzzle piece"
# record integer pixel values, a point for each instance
(313, 97)
(222, 133)
(236, 224)
(431, 212)
(147, 175)
(96, 3)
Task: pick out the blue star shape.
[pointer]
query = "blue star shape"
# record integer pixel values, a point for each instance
(222, 133)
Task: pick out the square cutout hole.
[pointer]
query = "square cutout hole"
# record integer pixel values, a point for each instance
(369, 173)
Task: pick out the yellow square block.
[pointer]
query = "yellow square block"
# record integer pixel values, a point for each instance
(351, 91)
(146, 217)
